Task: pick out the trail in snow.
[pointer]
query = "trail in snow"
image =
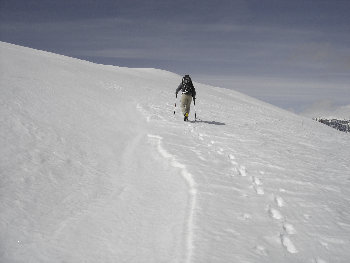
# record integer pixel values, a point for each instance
(238, 169)
(79, 180)
(192, 195)
(192, 140)
(91, 179)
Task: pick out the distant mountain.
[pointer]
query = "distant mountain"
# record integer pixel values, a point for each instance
(340, 125)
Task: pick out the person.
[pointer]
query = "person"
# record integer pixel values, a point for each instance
(188, 92)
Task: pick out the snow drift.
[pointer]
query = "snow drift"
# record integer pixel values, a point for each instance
(96, 168)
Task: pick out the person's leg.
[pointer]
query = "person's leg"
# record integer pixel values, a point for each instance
(188, 103)
(183, 103)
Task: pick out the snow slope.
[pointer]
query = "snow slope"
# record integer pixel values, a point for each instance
(96, 168)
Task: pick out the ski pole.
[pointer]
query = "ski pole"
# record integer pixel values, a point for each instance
(195, 113)
(175, 104)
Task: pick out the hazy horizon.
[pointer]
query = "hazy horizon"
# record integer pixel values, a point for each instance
(293, 54)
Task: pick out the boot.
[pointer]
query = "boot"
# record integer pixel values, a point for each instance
(186, 117)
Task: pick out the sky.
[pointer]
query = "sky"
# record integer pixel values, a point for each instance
(293, 54)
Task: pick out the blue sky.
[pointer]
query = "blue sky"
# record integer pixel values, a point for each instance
(293, 54)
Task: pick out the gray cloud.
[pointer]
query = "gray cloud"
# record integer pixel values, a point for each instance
(278, 51)
(289, 93)
(327, 108)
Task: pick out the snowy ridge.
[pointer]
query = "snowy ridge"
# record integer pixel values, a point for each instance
(96, 167)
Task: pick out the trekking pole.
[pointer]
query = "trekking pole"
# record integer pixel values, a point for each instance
(195, 113)
(175, 104)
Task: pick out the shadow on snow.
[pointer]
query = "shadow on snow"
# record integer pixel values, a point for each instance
(208, 122)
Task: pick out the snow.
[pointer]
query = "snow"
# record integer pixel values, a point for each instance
(328, 111)
(95, 167)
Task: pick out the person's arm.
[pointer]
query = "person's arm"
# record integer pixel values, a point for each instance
(178, 89)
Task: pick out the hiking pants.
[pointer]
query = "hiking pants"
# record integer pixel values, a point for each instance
(186, 103)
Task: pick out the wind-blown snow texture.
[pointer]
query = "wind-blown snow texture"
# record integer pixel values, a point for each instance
(96, 168)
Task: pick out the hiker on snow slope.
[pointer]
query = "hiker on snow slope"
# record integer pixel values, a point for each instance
(188, 92)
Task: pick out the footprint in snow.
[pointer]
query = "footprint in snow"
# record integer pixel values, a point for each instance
(274, 213)
(234, 163)
(231, 157)
(220, 151)
(242, 170)
(256, 180)
(257, 185)
(211, 143)
(232, 160)
(288, 244)
(235, 171)
(289, 228)
(279, 201)
(245, 216)
(261, 250)
(259, 190)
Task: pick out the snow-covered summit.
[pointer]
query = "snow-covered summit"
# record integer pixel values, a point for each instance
(96, 168)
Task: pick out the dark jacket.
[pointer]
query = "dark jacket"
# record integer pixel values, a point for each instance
(181, 87)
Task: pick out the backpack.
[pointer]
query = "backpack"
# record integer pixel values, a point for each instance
(187, 85)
